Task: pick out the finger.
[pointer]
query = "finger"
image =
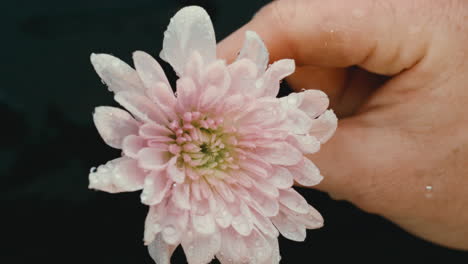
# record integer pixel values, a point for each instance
(337, 33)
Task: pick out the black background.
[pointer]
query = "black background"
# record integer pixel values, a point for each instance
(48, 143)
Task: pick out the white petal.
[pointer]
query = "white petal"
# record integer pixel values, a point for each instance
(114, 124)
(141, 107)
(118, 175)
(306, 173)
(160, 251)
(189, 30)
(181, 196)
(154, 221)
(279, 153)
(324, 126)
(233, 248)
(116, 74)
(254, 49)
(259, 247)
(306, 143)
(132, 144)
(202, 218)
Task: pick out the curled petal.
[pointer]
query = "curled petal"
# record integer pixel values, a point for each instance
(313, 103)
(243, 74)
(324, 126)
(306, 143)
(119, 175)
(189, 30)
(116, 74)
(151, 130)
(153, 159)
(114, 124)
(269, 84)
(254, 49)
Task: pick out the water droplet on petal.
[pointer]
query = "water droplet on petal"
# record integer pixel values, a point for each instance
(93, 170)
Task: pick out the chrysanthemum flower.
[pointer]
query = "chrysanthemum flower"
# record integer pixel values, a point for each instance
(216, 160)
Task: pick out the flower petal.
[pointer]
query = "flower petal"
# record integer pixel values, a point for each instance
(281, 178)
(151, 130)
(174, 172)
(189, 30)
(153, 159)
(154, 221)
(279, 153)
(254, 49)
(288, 228)
(233, 248)
(243, 74)
(306, 173)
(160, 251)
(141, 107)
(132, 145)
(269, 84)
(181, 196)
(118, 175)
(324, 126)
(154, 79)
(202, 218)
(314, 102)
(116, 74)
(201, 248)
(294, 201)
(114, 124)
(155, 188)
(306, 143)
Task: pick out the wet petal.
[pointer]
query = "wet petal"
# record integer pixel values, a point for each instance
(160, 251)
(324, 126)
(132, 145)
(279, 153)
(200, 248)
(189, 30)
(254, 49)
(269, 84)
(288, 228)
(117, 74)
(141, 107)
(153, 159)
(155, 188)
(294, 201)
(118, 175)
(306, 173)
(114, 124)
(314, 102)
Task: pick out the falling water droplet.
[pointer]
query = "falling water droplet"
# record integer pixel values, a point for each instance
(429, 191)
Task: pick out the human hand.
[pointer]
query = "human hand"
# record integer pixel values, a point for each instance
(397, 73)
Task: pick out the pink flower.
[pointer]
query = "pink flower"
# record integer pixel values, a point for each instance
(217, 160)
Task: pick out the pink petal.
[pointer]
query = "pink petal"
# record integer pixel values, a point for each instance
(281, 178)
(141, 107)
(259, 248)
(263, 204)
(254, 49)
(324, 126)
(306, 143)
(314, 102)
(181, 196)
(297, 121)
(265, 187)
(241, 220)
(118, 175)
(216, 79)
(154, 221)
(264, 224)
(233, 248)
(132, 145)
(116, 74)
(222, 215)
(311, 220)
(187, 95)
(202, 218)
(279, 153)
(154, 79)
(289, 229)
(294, 201)
(153, 159)
(189, 30)
(270, 82)
(160, 251)
(199, 248)
(306, 173)
(175, 224)
(155, 188)
(174, 172)
(243, 76)
(151, 130)
(114, 124)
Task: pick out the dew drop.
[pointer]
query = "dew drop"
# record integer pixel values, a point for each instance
(93, 170)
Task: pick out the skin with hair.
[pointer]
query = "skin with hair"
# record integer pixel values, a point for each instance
(396, 73)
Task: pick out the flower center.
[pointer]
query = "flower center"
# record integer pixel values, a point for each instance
(203, 143)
